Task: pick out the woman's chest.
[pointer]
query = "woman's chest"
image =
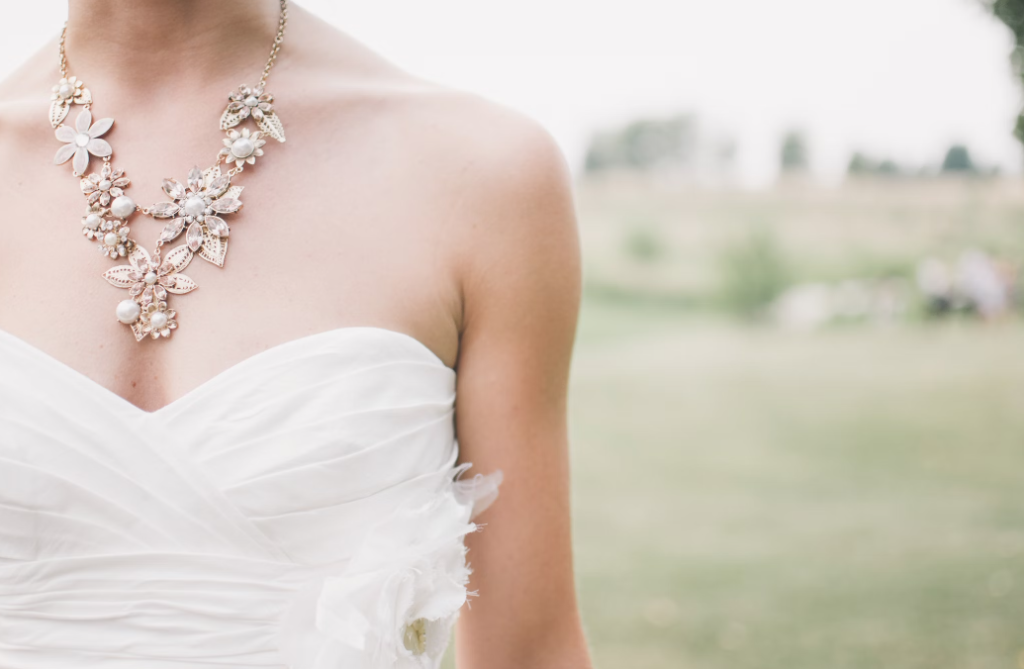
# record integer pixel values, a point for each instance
(308, 246)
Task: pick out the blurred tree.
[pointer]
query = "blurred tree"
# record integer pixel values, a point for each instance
(794, 152)
(645, 145)
(754, 272)
(861, 164)
(958, 159)
(889, 168)
(1011, 12)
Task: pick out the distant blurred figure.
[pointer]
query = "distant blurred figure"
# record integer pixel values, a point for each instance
(813, 305)
(980, 282)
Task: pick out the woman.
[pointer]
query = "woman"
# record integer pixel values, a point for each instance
(265, 473)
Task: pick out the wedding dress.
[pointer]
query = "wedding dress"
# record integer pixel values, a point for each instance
(302, 509)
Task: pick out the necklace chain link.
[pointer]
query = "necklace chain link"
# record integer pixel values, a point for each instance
(278, 40)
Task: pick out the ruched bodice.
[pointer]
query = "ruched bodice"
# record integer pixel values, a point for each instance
(302, 509)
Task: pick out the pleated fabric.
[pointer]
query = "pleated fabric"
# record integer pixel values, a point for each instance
(302, 509)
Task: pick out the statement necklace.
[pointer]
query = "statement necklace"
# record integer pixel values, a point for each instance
(195, 208)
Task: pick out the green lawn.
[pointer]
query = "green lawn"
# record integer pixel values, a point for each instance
(747, 497)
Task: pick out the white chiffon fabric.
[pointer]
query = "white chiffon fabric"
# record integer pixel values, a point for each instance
(302, 509)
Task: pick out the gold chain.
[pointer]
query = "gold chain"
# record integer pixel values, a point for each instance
(63, 57)
(278, 40)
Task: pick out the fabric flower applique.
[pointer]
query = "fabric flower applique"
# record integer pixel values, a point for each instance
(242, 147)
(399, 596)
(83, 140)
(68, 91)
(106, 185)
(197, 206)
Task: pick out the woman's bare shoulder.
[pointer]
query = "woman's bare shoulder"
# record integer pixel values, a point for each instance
(507, 181)
(450, 133)
(495, 177)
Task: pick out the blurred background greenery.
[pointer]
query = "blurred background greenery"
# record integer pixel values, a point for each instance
(796, 411)
(842, 490)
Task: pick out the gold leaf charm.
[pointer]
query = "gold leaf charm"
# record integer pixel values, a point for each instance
(122, 276)
(182, 284)
(179, 258)
(58, 112)
(214, 248)
(229, 119)
(271, 125)
(211, 173)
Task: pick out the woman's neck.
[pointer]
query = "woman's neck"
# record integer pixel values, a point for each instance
(149, 45)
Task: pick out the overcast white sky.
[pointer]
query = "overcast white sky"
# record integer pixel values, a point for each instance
(903, 78)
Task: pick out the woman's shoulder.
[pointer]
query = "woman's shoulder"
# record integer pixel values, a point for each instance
(452, 137)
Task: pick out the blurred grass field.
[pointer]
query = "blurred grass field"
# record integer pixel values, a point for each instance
(748, 497)
(753, 498)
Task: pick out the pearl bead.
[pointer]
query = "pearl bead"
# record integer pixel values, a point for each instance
(158, 320)
(194, 206)
(92, 221)
(66, 90)
(122, 207)
(150, 278)
(252, 101)
(242, 147)
(128, 311)
(110, 239)
(82, 138)
(105, 185)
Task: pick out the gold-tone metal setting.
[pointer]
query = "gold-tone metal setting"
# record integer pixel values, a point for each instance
(194, 209)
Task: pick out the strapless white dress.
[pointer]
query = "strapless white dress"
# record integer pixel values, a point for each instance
(302, 509)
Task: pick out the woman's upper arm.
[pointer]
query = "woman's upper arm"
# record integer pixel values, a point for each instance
(520, 274)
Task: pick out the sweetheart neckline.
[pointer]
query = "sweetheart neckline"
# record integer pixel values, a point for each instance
(219, 376)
